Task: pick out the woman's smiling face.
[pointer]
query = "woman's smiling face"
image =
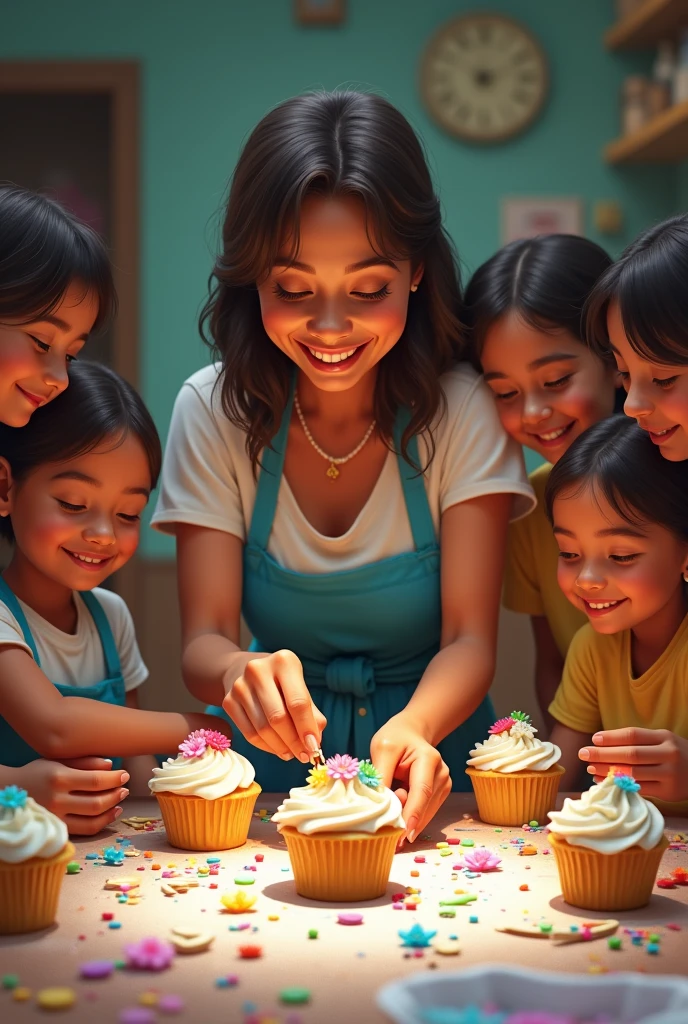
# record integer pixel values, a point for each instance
(339, 307)
(549, 386)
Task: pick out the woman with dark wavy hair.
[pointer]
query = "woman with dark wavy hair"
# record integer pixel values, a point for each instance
(339, 477)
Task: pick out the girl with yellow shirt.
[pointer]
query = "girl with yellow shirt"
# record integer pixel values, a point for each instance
(618, 513)
(524, 310)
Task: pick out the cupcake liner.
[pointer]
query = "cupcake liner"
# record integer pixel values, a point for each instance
(606, 881)
(193, 823)
(515, 798)
(30, 892)
(342, 867)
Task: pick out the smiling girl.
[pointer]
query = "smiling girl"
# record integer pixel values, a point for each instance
(524, 310)
(337, 477)
(618, 513)
(55, 289)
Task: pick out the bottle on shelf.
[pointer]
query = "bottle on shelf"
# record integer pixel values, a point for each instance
(634, 107)
(661, 87)
(680, 91)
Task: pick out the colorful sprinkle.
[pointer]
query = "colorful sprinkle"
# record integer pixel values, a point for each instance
(349, 918)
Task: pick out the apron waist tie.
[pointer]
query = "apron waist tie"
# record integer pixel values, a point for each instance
(353, 676)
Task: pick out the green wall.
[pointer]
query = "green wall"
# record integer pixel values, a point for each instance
(211, 69)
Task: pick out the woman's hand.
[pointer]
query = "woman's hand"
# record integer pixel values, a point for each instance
(656, 758)
(82, 792)
(399, 751)
(270, 704)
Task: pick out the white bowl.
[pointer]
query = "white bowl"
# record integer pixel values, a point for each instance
(626, 998)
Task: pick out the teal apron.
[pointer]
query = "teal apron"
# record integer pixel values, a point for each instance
(364, 636)
(14, 751)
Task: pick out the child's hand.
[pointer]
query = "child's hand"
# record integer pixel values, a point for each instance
(83, 792)
(656, 758)
(399, 751)
(270, 704)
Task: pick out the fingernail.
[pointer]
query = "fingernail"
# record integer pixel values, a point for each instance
(286, 756)
(591, 770)
(123, 794)
(118, 811)
(312, 743)
(597, 737)
(303, 756)
(584, 754)
(108, 760)
(411, 835)
(124, 777)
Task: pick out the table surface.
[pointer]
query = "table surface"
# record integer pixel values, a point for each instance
(345, 966)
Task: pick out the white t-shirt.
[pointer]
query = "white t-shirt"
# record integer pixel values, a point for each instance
(207, 478)
(76, 659)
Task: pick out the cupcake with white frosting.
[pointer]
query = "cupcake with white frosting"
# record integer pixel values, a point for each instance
(608, 845)
(206, 794)
(515, 775)
(341, 831)
(34, 852)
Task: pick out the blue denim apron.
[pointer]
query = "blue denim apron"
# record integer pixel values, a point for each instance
(364, 636)
(14, 751)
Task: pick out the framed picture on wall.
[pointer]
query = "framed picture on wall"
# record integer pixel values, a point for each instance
(319, 12)
(530, 216)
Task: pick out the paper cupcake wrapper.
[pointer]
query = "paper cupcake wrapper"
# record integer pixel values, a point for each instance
(30, 892)
(601, 881)
(342, 868)
(193, 823)
(515, 798)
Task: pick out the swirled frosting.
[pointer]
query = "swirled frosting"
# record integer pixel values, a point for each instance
(609, 817)
(344, 795)
(512, 746)
(206, 767)
(28, 830)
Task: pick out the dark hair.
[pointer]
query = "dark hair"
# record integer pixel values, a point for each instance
(97, 405)
(43, 250)
(649, 283)
(546, 280)
(618, 458)
(331, 144)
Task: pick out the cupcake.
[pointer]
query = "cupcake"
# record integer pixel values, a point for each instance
(608, 846)
(34, 852)
(341, 831)
(515, 775)
(206, 794)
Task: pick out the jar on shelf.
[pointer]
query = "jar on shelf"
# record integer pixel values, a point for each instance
(634, 109)
(681, 73)
(661, 88)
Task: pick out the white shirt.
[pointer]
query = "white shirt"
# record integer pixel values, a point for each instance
(207, 478)
(76, 659)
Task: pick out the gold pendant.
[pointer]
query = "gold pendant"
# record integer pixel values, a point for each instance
(332, 472)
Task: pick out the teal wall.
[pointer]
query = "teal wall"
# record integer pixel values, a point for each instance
(211, 69)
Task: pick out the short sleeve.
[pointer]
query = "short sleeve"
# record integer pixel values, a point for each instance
(198, 483)
(134, 671)
(575, 703)
(11, 634)
(479, 458)
(521, 591)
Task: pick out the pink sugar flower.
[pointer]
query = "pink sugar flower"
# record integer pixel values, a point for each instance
(342, 766)
(196, 742)
(502, 725)
(216, 740)
(481, 859)
(151, 954)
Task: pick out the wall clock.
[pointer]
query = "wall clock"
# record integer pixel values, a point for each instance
(483, 77)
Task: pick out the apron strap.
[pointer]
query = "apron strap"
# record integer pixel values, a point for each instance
(12, 603)
(110, 654)
(413, 485)
(270, 478)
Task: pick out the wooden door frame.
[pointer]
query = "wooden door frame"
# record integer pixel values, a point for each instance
(120, 81)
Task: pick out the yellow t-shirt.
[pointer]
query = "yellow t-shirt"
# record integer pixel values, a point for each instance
(530, 579)
(599, 691)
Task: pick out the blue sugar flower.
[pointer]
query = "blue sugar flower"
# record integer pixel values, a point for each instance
(416, 936)
(13, 797)
(369, 775)
(626, 782)
(111, 855)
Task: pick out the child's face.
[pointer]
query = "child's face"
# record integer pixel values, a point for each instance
(549, 387)
(340, 301)
(619, 575)
(34, 356)
(77, 522)
(657, 394)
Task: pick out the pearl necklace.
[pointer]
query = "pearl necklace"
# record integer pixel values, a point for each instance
(332, 472)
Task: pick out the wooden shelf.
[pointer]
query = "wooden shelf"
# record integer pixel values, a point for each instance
(663, 140)
(653, 21)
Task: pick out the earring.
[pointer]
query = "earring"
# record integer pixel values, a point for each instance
(414, 287)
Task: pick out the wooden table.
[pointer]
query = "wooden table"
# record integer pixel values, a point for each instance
(344, 966)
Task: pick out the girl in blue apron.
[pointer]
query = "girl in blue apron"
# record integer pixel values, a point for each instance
(339, 478)
(73, 485)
